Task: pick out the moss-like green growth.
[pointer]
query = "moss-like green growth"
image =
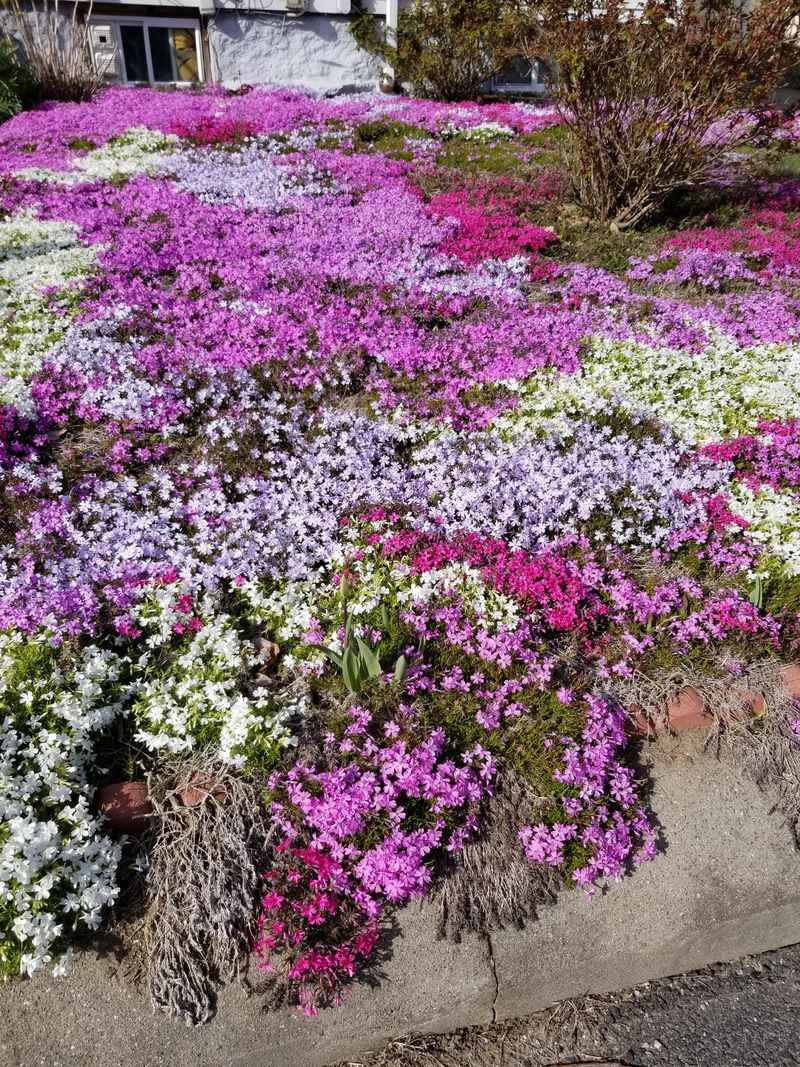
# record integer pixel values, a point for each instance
(388, 137)
(781, 591)
(501, 157)
(82, 144)
(582, 241)
(787, 165)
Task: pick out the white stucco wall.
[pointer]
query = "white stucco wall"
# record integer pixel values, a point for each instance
(313, 51)
(58, 19)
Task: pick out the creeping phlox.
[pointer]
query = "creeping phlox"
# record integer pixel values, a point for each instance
(137, 151)
(195, 683)
(483, 133)
(57, 866)
(766, 489)
(39, 259)
(362, 828)
(317, 372)
(724, 389)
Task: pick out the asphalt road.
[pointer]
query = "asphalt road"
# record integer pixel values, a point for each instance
(743, 1014)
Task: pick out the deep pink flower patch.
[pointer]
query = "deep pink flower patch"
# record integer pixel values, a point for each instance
(771, 457)
(489, 224)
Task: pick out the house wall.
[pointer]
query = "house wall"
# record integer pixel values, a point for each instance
(314, 51)
(57, 20)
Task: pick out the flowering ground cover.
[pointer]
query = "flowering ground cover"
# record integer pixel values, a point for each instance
(336, 450)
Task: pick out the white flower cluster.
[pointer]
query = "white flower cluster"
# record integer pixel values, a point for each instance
(774, 518)
(35, 255)
(494, 610)
(57, 868)
(288, 609)
(723, 391)
(293, 608)
(195, 697)
(137, 151)
(482, 133)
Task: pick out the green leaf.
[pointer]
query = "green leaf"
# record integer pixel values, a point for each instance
(757, 592)
(334, 657)
(369, 659)
(400, 670)
(352, 669)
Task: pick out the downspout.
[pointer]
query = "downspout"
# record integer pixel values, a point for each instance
(391, 40)
(207, 11)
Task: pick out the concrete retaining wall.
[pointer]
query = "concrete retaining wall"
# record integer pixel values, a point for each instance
(728, 884)
(314, 52)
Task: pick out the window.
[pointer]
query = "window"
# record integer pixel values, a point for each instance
(173, 54)
(519, 75)
(134, 53)
(150, 50)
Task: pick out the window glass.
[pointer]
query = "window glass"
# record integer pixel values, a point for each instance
(185, 55)
(161, 54)
(518, 72)
(134, 54)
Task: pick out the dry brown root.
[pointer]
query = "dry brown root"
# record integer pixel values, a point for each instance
(490, 883)
(203, 886)
(764, 744)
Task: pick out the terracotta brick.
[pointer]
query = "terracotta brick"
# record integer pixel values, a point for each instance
(686, 712)
(198, 788)
(791, 674)
(125, 806)
(754, 702)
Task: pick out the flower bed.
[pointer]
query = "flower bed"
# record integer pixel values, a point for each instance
(325, 461)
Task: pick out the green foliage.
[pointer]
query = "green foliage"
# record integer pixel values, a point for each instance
(787, 165)
(468, 157)
(17, 89)
(366, 30)
(387, 137)
(449, 48)
(780, 591)
(358, 661)
(10, 948)
(83, 144)
(585, 242)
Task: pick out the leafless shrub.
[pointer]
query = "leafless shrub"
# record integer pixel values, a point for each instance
(203, 885)
(449, 48)
(57, 49)
(655, 98)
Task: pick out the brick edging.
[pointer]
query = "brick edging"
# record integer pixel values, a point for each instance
(690, 712)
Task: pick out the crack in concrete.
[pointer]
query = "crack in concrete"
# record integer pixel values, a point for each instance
(494, 975)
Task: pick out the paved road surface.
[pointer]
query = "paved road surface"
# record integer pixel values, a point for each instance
(743, 1014)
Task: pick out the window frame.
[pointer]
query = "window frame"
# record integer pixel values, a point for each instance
(117, 21)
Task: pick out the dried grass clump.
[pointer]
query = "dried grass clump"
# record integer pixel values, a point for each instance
(491, 884)
(203, 886)
(56, 41)
(764, 744)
